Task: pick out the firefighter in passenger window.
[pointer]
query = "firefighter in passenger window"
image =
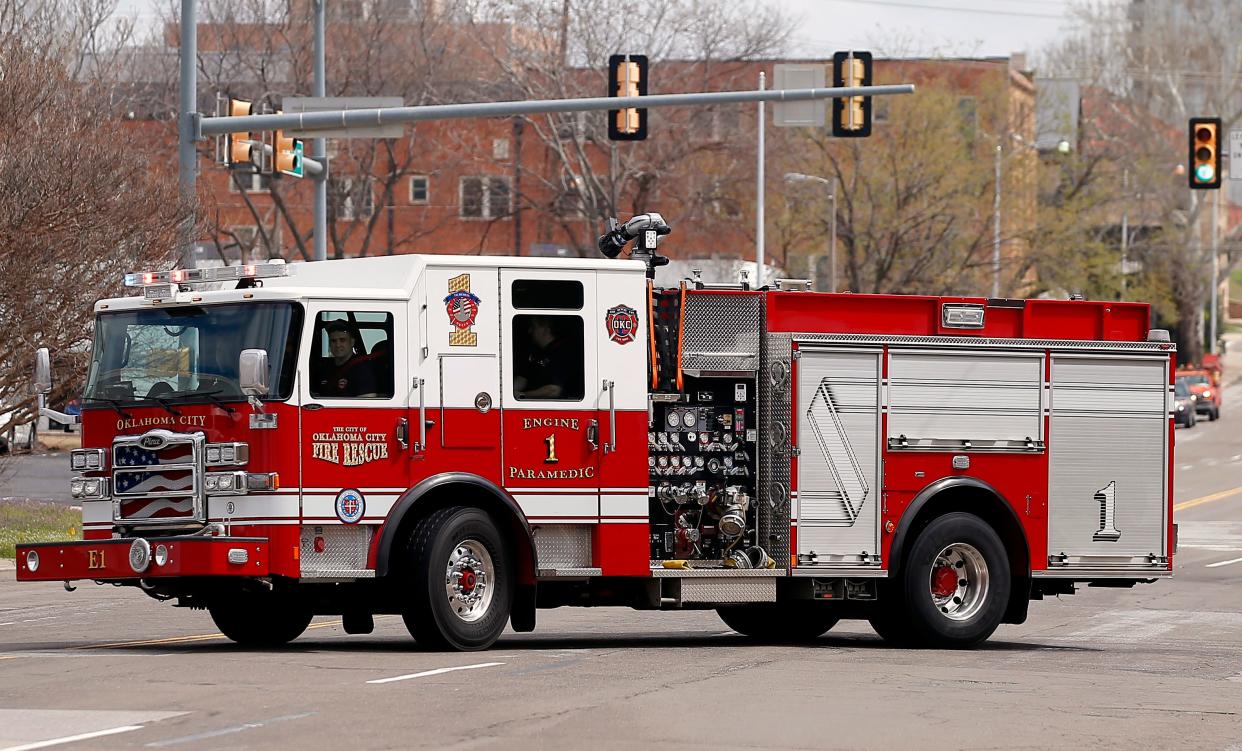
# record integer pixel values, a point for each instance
(345, 372)
(544, 364)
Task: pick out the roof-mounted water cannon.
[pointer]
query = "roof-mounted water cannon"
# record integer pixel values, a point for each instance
(646, 230)
(161, 285)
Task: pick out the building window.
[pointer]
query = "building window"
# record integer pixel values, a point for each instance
(880, 107)
(351, 198)
(548, 358)
(250, 182)
(485, 197)
(352, 357)
(420, 189)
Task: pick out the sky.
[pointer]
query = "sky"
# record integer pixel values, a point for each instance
(927, 27)
(890, 27)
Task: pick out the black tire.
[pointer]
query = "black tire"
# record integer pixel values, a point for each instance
(260, 620)
(779, 622)
(974, 610)
(889, 619)
(1215, 414)
(432, 618)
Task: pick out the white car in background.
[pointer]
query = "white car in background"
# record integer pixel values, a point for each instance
(17, 437)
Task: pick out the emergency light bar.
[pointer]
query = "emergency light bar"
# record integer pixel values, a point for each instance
(217, 274)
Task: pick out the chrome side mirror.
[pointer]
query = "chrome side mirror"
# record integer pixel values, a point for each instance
(43, 371)
(252, 372)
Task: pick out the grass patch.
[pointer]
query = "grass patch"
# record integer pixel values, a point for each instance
(35, 521)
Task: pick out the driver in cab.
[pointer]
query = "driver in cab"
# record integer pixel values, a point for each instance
(345, 372)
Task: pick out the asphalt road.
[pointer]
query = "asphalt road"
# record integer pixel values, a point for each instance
(1158, 666)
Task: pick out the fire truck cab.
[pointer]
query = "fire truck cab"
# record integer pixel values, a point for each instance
(462, 440)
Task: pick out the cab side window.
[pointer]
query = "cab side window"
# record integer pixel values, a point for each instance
(352, 355)
(547, 357)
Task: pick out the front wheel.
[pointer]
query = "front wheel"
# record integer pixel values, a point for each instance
(461, 581)
(955, 583)
(260, 620)
(779, 622)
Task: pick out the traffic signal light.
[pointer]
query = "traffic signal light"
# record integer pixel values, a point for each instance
(238, 147)
(1204, 153)
(851, 116)
(288, 154)
(627, 76)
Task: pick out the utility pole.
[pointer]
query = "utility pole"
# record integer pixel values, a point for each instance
(759, 190)
(319, 146)
(996, 226)
(1215, 268)
(1125, 225)
(187, 155)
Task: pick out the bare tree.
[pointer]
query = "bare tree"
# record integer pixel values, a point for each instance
(1138, 54)
(76, 211)
(559, 48)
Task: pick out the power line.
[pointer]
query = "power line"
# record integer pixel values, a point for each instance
(955, 9)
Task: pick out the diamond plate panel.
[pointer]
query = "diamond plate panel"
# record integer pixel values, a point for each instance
(721, 332)
(345, 548)
(563, 546)
(742, 589)
(773, 465)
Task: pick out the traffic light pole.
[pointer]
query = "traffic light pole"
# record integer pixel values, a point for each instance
(319, 147)
(366, 118)
(187, 156)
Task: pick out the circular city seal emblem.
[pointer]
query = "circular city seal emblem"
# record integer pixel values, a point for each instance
(350, 506)
(622, 324)
(463, 308)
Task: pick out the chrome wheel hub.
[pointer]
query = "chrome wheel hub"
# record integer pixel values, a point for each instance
(468, 580)
(958, 583)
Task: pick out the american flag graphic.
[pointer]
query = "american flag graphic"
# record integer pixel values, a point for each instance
(157, 508)
(133, 455)
(138, 482)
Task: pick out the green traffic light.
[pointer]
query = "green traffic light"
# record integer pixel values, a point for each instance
(1205, 173)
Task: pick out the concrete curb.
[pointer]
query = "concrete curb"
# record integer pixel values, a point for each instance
(8, 564)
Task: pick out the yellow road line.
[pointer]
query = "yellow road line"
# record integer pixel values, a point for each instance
(1207, 499)
(184, 639)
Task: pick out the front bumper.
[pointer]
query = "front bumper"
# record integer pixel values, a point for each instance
(132, 558)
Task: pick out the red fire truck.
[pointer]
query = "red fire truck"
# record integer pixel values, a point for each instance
(463, 440)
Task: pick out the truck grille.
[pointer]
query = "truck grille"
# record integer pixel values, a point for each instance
(157, 478)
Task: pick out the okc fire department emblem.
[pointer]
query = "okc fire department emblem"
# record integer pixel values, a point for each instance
(463, 308)
(350, 506)
(622, 324)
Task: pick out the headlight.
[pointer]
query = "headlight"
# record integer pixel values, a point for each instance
(161, 555)
(76, 487)
(1181, 407)
(213, 454)
(1207, 394)
(32, 561)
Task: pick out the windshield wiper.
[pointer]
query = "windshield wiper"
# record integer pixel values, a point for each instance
(113, 403)
(164, 402)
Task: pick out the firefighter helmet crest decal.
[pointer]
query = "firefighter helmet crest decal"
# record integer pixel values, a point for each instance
(463, 307)
(350, 505)
(622, 324)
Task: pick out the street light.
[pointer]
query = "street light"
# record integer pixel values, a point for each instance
(798, 177)
(1062, 147)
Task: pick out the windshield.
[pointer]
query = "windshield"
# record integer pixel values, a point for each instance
(1180, 389)
(1195, 380)
(190, 353)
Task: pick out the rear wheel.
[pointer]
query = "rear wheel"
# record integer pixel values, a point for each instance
(260, 620)
(955, 582)
(461, 581)
(779, 622)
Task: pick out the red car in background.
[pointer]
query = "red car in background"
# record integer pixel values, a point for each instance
(1206, 389)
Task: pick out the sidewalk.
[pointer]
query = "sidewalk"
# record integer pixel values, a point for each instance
(1231, 360)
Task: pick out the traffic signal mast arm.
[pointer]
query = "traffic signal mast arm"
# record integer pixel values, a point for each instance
(344, 119)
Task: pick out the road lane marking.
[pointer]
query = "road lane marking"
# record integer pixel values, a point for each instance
(1207, 499)
(437, 671)
(73, 738)
(1223, 563)
(226, 731)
